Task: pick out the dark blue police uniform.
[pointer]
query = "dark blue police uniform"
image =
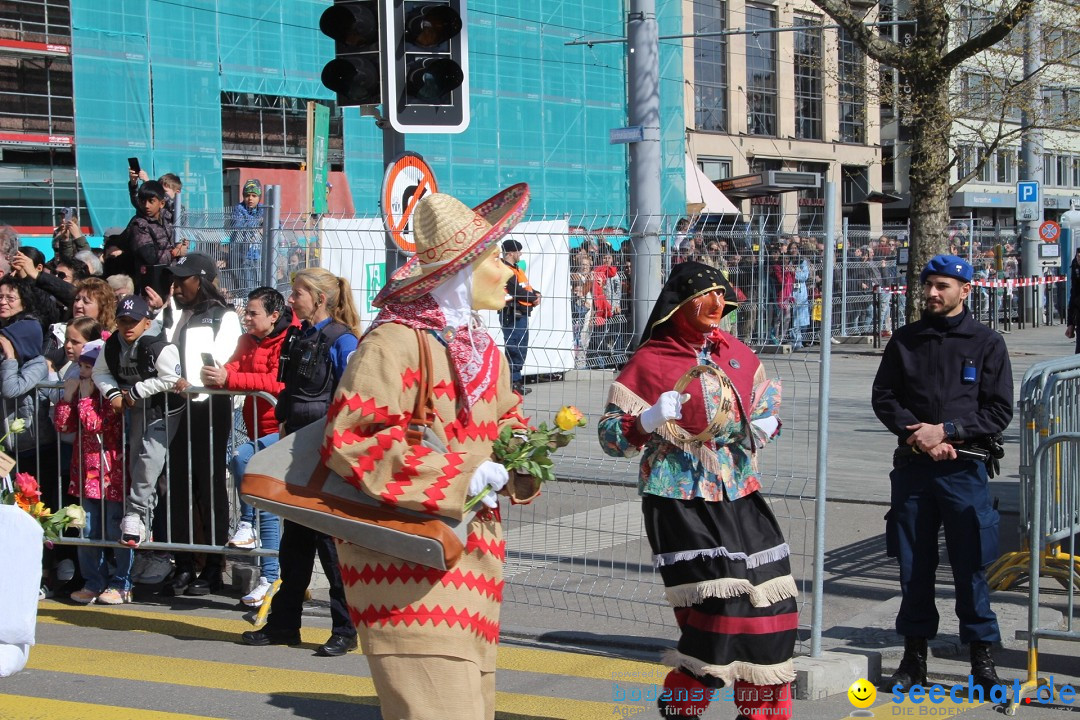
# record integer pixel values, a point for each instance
(944, 370)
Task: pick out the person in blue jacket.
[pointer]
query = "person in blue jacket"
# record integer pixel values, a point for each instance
(945, 389)
(245, 243)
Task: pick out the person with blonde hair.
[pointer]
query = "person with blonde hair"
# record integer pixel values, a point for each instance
(313, 360)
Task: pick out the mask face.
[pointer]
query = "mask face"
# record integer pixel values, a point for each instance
(489, 277)
(703, 313)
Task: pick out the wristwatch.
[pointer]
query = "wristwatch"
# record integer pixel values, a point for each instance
(950, 430)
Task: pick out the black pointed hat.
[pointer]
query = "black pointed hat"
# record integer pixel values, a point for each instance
(687, 281)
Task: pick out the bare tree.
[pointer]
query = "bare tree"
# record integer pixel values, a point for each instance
(927, 63)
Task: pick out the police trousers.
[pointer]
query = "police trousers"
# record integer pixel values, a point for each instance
(925, 496)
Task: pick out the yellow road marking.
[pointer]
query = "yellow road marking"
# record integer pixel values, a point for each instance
(23, 707)
(551, 662)
(257, 679)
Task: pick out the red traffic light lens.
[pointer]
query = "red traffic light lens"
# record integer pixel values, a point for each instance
(353, 25)
(431, 26)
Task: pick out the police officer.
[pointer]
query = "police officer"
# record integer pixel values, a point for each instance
(945, 389)
(1073, 314)
(514, 317)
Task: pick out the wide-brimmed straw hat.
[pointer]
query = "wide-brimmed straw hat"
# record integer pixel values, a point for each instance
(449, 236)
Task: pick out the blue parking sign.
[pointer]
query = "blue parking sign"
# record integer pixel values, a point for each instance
(1027, 192)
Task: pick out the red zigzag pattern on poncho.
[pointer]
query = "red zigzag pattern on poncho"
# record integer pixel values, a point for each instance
(389, 574)
(477, 623)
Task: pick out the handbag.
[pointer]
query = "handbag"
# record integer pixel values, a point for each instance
(290, 479)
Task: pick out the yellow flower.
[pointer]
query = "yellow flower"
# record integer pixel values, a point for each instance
(39, 510)
(569, 418)
(76, 515)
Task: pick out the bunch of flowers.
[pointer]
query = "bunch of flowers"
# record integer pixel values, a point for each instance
(529, 453)
(25, 493)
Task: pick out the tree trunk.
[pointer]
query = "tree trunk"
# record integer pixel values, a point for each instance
(929, 181)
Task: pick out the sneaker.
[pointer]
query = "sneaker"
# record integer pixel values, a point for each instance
(112, 596)
(65, 570)
(85, 596)
(244, 537)
(155, 568)
(132, 530)
(257, 596)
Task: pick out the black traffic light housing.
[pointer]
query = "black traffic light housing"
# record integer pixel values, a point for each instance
(427, 65)
(354, 74)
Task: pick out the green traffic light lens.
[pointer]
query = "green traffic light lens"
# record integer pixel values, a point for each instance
(431, 79)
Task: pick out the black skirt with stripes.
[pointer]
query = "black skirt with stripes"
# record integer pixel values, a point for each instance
(727, 573)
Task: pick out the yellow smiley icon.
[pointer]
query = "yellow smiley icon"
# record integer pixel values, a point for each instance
(861, 693)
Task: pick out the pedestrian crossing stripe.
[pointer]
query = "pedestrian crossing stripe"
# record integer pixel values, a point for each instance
(551, 662)
(262, 680)
(22, 707)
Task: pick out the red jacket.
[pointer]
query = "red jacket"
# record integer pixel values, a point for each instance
(254, 366)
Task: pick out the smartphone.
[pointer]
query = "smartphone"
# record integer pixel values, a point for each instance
(208, 359)
(69, 213)
(133, 163)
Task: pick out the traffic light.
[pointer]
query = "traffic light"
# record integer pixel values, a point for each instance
(427, 65)
(354, 72)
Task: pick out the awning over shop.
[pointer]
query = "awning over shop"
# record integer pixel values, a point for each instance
(702, 196)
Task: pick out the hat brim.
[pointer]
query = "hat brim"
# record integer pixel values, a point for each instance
(502, 211)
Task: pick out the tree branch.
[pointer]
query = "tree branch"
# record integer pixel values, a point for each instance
(994, 34)
(881, 49)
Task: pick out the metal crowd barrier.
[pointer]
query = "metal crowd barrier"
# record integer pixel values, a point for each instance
(1049, 503)
(54, 459)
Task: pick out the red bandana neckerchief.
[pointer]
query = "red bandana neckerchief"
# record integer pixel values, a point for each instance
(473, 353)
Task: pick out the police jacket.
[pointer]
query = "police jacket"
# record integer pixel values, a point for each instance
(922, 378)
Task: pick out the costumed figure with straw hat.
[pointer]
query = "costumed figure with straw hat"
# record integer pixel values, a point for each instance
(430, 635)
(695, 402)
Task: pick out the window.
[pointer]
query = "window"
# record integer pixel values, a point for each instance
(1049, 165)
(852, 70)
(812, 200)
(808, 84)
(710, 68)
(715, 168)
(760, 72)
(986, 167)
(965, 162)
(1076, 172)
(765, 211)
(1005, 166)
(855, 184)
(1063, 170)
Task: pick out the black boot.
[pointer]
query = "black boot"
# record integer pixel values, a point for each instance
(983, 673)
(912, 670)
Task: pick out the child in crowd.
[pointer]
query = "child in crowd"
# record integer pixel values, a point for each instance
(97, 478)
(137, 371)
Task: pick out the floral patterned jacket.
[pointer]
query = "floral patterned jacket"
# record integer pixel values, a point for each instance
(724, 468)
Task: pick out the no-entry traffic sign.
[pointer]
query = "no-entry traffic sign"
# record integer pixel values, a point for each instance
(407, 180)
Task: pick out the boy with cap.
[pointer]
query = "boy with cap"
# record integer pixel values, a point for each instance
(245, 243)
(514, 317)
(136, 371)
(945, 389)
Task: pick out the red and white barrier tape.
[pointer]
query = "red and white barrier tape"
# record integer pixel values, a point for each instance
(1008, 283)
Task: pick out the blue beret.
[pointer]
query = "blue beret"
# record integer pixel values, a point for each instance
(949, 266)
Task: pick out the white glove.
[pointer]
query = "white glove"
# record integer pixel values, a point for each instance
(489, 474)
(667, 407)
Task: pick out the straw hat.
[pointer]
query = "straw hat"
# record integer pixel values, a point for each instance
(449, 236)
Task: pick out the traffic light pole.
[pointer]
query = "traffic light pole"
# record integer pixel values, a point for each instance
(1031, 154)
(643, 64)
(393, 147)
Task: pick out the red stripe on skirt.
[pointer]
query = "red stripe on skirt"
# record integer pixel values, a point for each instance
(742, 625)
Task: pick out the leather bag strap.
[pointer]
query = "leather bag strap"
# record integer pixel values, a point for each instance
(423, 414)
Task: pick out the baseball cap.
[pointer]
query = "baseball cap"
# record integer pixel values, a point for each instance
(90, 351)
(949, 266)
(132, 306)
(194, 264)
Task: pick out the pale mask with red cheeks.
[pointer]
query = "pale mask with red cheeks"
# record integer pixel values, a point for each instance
(704, 312)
